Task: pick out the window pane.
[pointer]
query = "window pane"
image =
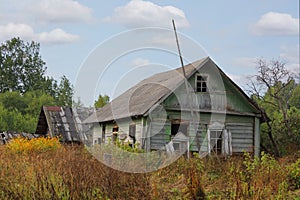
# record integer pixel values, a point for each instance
(201, 85)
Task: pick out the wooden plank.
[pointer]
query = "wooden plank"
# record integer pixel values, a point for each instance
(239, 124)
(242, 141)
(241, 150)
(241, 135)
(239, 128)
(159, 137)
(157, 146)
(242, 145)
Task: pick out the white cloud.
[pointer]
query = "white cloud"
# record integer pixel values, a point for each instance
(57, 36)
(240, 80)
(59, 11)
(139, 13)
(16, 30)
(26, 32)
(273, 23)
(246, 62)
(290, 55)
(140, 62)
(164, 40)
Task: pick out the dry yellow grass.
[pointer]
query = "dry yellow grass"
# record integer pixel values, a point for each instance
(56, 171)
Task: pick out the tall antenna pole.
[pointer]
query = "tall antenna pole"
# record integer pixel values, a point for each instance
(189, 99)
(178, 48)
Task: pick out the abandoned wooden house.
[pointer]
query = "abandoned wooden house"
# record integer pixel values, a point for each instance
(204, 112)
(64, 123)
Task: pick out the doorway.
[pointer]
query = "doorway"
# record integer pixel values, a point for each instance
(179, 126)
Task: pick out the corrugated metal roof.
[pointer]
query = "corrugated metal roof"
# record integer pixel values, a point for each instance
(140, 98)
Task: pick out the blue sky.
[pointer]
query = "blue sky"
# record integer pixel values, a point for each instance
(234, 33)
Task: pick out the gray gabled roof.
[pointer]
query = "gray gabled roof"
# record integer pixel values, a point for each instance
(139, 99)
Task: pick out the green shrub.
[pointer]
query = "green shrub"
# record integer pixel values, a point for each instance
(294, 175)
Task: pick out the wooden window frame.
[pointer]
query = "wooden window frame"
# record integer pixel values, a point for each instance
(216, 140)
(201, 79)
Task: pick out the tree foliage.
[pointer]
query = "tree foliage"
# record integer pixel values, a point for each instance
(101, 101)
(277, 93)
(21, 66)
(19, 112)
(65, 92)
(25, 88)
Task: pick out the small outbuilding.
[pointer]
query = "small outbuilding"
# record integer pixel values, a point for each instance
(62, 122)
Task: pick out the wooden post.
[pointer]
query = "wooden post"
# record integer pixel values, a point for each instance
(257, 137)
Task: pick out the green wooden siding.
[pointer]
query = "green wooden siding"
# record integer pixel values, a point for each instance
(222, 95)
(241, 128)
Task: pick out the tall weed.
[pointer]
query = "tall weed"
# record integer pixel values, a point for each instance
(70, 172)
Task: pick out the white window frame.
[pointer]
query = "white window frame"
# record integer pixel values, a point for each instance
(214, 141)
(225, 140)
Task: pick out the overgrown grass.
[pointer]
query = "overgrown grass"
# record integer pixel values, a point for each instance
(70, 172)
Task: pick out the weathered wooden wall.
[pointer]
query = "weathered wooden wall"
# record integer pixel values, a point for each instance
(223, 103)
(123, 130)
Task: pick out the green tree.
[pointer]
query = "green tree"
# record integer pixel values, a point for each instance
(275, 90)
(24, 88)
(65, 92)
(35, 100)
(21, 66)
(295, 98)
(101, 101)
(13, 101)
(19, 112)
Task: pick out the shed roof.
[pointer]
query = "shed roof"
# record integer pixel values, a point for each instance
(56, 120)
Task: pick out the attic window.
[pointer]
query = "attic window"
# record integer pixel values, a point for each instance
(201, 83)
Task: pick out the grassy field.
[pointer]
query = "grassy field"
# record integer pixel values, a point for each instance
(45, 169)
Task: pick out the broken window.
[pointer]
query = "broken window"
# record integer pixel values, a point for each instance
(201, 83)
(115, 131)
(216, 141)
(103, 133)
(132, 131)
(176, 128)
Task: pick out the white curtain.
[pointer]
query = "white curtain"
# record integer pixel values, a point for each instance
(226, 143)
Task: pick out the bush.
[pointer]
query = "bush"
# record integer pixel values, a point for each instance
(294, 175)
(24, 145)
